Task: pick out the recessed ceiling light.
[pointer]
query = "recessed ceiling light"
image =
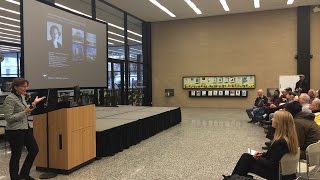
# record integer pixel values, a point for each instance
(156, 3)
(14, 2)
(224, 5)
(257, 3)
(193, 6)
(290, 2)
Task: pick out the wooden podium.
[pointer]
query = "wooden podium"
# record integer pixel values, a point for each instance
(71, 140)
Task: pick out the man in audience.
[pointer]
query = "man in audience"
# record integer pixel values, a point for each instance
(312, 94)
(315, 105)
(304, 100)
(260, 101)
(307, 130)
(315, 108)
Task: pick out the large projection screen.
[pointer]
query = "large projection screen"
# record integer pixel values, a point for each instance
(61, 49)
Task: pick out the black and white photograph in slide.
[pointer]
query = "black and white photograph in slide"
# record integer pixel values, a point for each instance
(54, 35)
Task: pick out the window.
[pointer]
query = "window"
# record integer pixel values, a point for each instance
(10, 65)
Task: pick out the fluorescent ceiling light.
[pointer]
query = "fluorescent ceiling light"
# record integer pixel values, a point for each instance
(156, 3)
(134, 40)
(10, 34)
(110, 32)
(9, 41)
(193, 6)
(4, 17)
(290, 2)
(9, 46)
(134, 33)
(73, 10)
(113, 25)
(9, 30)
(10, 25)
(257, 3)
(9, 38)
(14, 2)
(118, 27)
(110, 43)
(224, 5)
(101, 20)
(9, 49)
(8, 10)
(115, 40)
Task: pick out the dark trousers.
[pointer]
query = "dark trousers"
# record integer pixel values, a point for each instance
(247, 164)
(17, 139)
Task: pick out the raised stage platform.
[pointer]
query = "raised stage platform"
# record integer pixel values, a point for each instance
(118, 128)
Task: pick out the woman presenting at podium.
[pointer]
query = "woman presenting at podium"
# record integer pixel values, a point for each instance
(18, 130)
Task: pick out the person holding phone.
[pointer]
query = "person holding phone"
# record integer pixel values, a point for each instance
(266, 164)
(18, 131)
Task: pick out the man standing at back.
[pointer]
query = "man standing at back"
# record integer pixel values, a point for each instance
(260, 101)
(302, 85)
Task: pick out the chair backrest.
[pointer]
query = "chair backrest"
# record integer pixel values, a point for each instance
(1, 112)
(313, 154)
(289, 163)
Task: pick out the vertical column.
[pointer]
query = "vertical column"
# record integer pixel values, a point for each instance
(303, 42)
(147, 70)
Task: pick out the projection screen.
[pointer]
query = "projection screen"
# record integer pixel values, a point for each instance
(61, 49)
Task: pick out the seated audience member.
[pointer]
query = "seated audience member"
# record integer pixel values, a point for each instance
(315, 105)
(260, 101)
(266, 164)
(304, 100)
(289, 98)
(285, 92)
(312, 94)
(315, 108)
(318, 93)
(275, 99)
(307, 130)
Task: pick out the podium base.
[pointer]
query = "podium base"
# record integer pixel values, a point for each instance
(47, 175)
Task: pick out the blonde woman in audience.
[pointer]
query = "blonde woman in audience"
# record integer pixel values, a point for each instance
(266, 164)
